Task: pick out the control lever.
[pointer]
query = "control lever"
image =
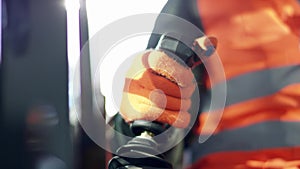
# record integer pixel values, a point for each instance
(142, 151)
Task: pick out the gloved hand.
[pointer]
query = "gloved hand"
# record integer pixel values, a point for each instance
(294, 23)
(157, 88)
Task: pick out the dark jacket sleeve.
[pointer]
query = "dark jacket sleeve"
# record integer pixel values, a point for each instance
(184, 9)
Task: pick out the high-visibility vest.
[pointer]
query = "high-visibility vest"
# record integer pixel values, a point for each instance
(259, 46)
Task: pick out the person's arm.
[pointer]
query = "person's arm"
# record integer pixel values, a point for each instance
(185, 9)
(192, 29)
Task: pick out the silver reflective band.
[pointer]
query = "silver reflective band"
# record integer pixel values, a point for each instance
(255, 84)
(271, 134)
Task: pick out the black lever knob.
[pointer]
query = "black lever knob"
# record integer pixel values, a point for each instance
(140, 126)
(142, 151)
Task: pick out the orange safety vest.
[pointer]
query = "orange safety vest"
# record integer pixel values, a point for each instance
(259, 46)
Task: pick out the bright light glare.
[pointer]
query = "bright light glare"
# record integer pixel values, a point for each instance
(72, 5)
(73, 45)
(102, 13)
(99, 15)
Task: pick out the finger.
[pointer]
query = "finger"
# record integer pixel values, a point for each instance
(152, 81)
(137, 67)
(135, 107)
(157, 97)
(169, 68)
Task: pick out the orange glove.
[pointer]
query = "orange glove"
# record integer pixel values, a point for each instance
(294, 23)
(157, 88)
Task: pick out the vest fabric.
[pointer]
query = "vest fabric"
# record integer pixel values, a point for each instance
(259, 48)
(258, 44)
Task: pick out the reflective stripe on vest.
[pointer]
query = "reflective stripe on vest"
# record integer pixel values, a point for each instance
(255, 84)
(264, 135)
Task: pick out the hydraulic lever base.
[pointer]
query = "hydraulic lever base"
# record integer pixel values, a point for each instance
(142, 151)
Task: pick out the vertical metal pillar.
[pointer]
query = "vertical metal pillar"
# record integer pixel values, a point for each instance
(34, 87)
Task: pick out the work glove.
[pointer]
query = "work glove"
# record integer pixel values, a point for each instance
(158, 88)
(294, 23)
(159, 85)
